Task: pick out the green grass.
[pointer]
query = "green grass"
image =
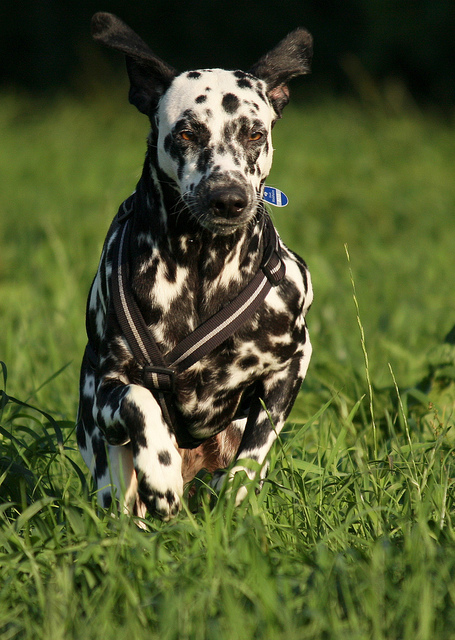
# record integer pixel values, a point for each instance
(352, 536)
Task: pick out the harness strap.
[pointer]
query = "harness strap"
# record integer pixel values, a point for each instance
(214, 331)
(156, 377)
(131, 321)
(211, 333)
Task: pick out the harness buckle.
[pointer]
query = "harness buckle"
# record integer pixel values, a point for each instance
(273, 266)
(159, 379)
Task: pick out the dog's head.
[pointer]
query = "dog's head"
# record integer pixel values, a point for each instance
(213, 126)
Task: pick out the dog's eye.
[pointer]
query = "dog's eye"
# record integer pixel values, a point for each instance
(255, 136)
(187, 135)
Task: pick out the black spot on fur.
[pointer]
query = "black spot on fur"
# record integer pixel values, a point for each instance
(107, 500)
(244, 83)
(228, 131)
(99, 449)
(201, 99)
(153, 315)
(203, 133)
(244, 126)
(164, 458)
(189, 114)
(81, 437)
(167, 142)
(193, 75)
(174, 149)
(204, 159)
(230, 103)
(248, 362)
(170, 272)
(300, 335)
(134, 418)
(254, 244)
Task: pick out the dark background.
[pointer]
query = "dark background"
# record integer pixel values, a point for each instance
(45, 44)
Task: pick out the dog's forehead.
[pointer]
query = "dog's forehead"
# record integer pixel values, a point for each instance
(215, 92)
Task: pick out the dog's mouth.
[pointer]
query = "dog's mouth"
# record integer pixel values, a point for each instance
(222, 207)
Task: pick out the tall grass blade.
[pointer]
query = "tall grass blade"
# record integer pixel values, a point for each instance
(365, 356)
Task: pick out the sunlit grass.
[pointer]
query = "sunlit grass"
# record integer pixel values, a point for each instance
(352, 534)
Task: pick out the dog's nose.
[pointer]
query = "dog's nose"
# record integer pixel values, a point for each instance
(228, 202)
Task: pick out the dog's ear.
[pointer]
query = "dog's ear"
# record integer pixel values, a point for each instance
(289, 59)
(149, 75)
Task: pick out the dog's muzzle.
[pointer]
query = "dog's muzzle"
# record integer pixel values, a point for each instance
(223, 207)
(227, 202)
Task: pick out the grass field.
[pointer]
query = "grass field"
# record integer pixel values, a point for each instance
(352, 537)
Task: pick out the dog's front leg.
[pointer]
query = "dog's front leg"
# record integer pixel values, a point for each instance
(267, 416)
(132, 410)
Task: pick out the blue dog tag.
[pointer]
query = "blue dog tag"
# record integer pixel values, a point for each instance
(275, 197)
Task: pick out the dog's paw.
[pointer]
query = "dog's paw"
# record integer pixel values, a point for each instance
(223, 480)
(160, 483)
(163, 505)
(161, 492)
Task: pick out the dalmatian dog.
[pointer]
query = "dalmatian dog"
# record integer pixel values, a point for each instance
(197, 238)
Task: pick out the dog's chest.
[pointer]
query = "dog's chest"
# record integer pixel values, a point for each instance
(209, 393)
(176, 296)
(180, 286)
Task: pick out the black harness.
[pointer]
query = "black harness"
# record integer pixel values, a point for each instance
(159, 371)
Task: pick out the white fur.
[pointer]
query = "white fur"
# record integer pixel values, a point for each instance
(182, 93)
